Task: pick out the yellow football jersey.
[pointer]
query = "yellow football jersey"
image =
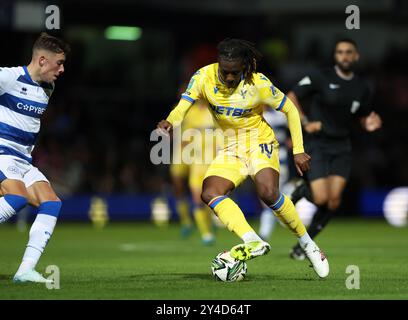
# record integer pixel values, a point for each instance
(238, 111)
(236, 108)
(202, 143)
(198, 117)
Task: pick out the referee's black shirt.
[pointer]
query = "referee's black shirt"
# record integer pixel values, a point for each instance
(336, 102)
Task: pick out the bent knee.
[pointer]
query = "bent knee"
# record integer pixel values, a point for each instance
(269, 194)
(320, 199)
(208, 194)
(334, 203)
(213, 190)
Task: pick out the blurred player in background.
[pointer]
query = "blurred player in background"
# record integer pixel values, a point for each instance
(179, 174)
(24, 96)
(236, 94)
(198, 119)
(339, 96)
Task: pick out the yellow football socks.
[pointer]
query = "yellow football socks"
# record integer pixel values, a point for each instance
(203, 220)
(286, 212)
(183, 211)
(230, 215)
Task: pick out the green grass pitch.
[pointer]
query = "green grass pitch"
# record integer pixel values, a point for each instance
(142, 261)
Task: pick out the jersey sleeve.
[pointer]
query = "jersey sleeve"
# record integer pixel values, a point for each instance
(275, 98)
(194, 88)
(270, 94)
(308, 85)
(192, 93)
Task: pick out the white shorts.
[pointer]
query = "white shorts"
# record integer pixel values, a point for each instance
(15, 168)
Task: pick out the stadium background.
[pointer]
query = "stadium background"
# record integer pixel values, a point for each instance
(95, 136)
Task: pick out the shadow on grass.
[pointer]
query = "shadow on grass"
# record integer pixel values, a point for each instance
(171, 276)
(6, 276)
(208, 276)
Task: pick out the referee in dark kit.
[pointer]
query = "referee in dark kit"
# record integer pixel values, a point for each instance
(338, 96)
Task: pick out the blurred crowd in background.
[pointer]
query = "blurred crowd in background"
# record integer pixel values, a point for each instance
(95, 135)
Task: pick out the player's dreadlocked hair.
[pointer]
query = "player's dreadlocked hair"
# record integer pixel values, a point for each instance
(233, 49)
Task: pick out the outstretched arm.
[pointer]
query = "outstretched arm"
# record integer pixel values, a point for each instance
(273, 97)
(292, 97)
(175, 117)
(372, 122)
(309, 126)
(302, 159)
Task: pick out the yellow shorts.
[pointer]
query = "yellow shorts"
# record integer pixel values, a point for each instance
(236, 166)
(194, 172)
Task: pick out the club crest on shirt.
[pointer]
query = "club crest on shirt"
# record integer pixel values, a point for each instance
(334, 86)
(190, 84)
(355, 106)
(13, 170)
(273, 90)
(243, 93)
(305, 81)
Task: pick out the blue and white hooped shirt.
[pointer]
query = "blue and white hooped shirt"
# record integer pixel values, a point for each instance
(22, 103)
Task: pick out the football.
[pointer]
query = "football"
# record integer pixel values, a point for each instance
(226, 268)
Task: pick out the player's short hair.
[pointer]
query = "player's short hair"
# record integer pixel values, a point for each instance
(50, 43)
(238, 49)
(347, 40)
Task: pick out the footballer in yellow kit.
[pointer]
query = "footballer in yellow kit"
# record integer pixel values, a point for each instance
(193, 166)
(236, 93)
(198, 118)
(250, 143)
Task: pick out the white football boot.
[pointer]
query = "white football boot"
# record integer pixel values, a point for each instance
(31, 276)
(317, 258)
